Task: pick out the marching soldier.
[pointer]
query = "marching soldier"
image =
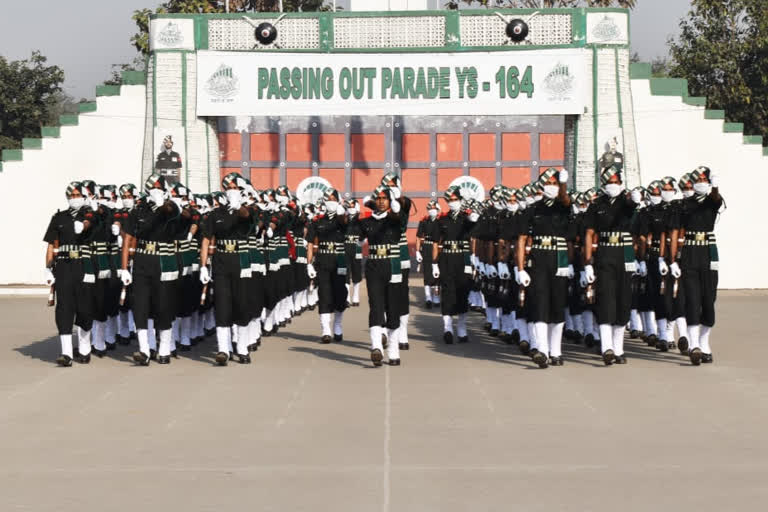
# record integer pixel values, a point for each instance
(125, 325)
(353, 252)
(427, 234)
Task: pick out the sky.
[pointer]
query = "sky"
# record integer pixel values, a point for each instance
(85, 37)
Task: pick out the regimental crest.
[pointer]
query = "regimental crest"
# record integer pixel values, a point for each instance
(606, 30)
(559, 82)
(170, 35)
(223, 84)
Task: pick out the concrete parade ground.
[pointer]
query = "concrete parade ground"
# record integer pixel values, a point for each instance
(311, 427)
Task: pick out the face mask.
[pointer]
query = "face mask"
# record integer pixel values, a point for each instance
(128, 203)
(529, 201)
(432, 213)
(583, 209)
(657, 199)
(701, 188)
(498, 205)
(613, 189)
(282, 199)
(234, 198)
(667, 195)
(351, 211)
(687, 193)
(513, 207)
(551, 191)
(157, 195)
(454, 205)
(76, 203)
(93, 203)
(331, 206)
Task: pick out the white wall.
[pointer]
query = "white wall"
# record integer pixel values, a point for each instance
(674, 138)
(106, 147)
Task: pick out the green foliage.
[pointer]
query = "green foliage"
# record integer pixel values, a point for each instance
(722, 50)
(534, 4)
(29, 94)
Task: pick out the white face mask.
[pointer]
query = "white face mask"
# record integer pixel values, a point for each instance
(513, 207)
(351, 211)
(498, 205)
(583, 209)
(331, 206)
(128, 203)
(432, 213)
(157, 195)
(454, 205)
(76, 203)
(234, 198)
(687, 193)
(93, 203)
(656, 199)
(551, 191)
(667, 195)
(613, 189)
(282, 199)
(701, 188)
(529, 201)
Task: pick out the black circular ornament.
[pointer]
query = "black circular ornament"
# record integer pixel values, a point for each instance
(266, 33)
(517, 30)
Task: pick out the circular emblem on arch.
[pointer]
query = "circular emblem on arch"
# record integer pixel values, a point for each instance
(471, 188)
(517, 30)
(266, 33)
(311, 189)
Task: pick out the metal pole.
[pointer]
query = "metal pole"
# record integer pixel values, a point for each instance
(226, 6)
(334, 5)
(280, 2)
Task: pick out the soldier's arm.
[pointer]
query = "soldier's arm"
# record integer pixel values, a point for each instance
(522, 240)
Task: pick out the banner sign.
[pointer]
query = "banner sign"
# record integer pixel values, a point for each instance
(479, 83)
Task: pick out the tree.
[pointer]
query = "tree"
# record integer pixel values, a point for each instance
(722, 50)
(29, 94)
(116, 78)
(534, 4)
(659, 65)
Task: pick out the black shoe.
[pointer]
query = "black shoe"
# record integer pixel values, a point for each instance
(355, 304)
(506, 338)
(634, 334)
(608, 357)
(428, 305)
(556, 361)
(132, 336)
(311, 308)
(164, 360)
(707, 358)
(515, 336)
(672, 345)
(253, 347)
(222, 358)
(487, 326)
(174, 354)
(622, 359)
(662, 346)
(494, 332)
(325, 339)
(448, 337)
(404, 346)
(141, 358)
(533, 352)
(98, 353)
(525, 347)
(64, 360)
(258, 343)
(696, 356)
(123, 341)
(577, 338)
(568, 334)
(540, 358)
(282, 324)
(376, 357)
(682, 345)
(209, 332)
(231, 356)
(384, 341)
(111, 346)
(266, 333)
(185, 348)
(598, 347)
(589, 340)
(463, 339)
(652, 340)
(83, 359)
(394, 362)
(246, 359)
(338, 337)
(153, 354)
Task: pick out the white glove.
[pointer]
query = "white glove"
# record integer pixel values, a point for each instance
(674, 268)
(419, 257)
(126, 278)
(481, 269)
(642, 269)
(490, 270)
(637, 198)
(395, 206)
(340, 210)
(523, 279)
(503, 269)
(366, 200)
(119, 273)
(205, 276)
(563, 176)
(190, 236)
(714, 180)
(582, 279)
(571, 272)
(474, 216)
(119, 241)
(436, 271)
(663, 268)
(78, 227)
(589, 274)
(473, 260)
(48, 276)
(517, 274)
(270, 233)
(311, 273)
(396, 192)
(115, 229)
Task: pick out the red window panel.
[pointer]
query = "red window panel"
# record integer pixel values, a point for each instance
(486, 176)
(298, 147)
(416, 180)
(265, 147)
(365, 180)
(482, 147)
(295, 176)
(516, 176)
(415, 147)
(265, 177)
(551, 146)
(230, 147)
(367, 147)
(419, 208)
(445, 177)
(515, 146)
(449, 147)
(335, 177)
(331, 147)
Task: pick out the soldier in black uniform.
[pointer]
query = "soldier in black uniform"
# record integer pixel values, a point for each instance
(451, 257)
(383, 273)
(487, 247)
(353, 252)
(699, 262)
(427, 234)
(68, 265)
(509, 230)
(168, 162)
(547, 227)
(151, 229)
(608, 224)
(125, 325)
(325, 239)
(189, 286)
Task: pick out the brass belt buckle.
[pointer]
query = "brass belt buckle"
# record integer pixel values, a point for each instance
(700, 237)
(546, 242)
(230, 247)
(73, 255)
(381, 251)
(331, 247)
(151, 248)
(613, 239)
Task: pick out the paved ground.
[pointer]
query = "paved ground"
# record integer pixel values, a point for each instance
(315, 427)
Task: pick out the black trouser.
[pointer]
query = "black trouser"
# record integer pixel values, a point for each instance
(74, 298)
(190, 289)
(455, 284)
(548, 292)
(383, 296)
(300, 277)
(404, 300)
(271, 289)
(426, 265)
(354, 265)
(331, 287)
(700, 284)
(614, 287)
(152, 298)
(230, 291)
